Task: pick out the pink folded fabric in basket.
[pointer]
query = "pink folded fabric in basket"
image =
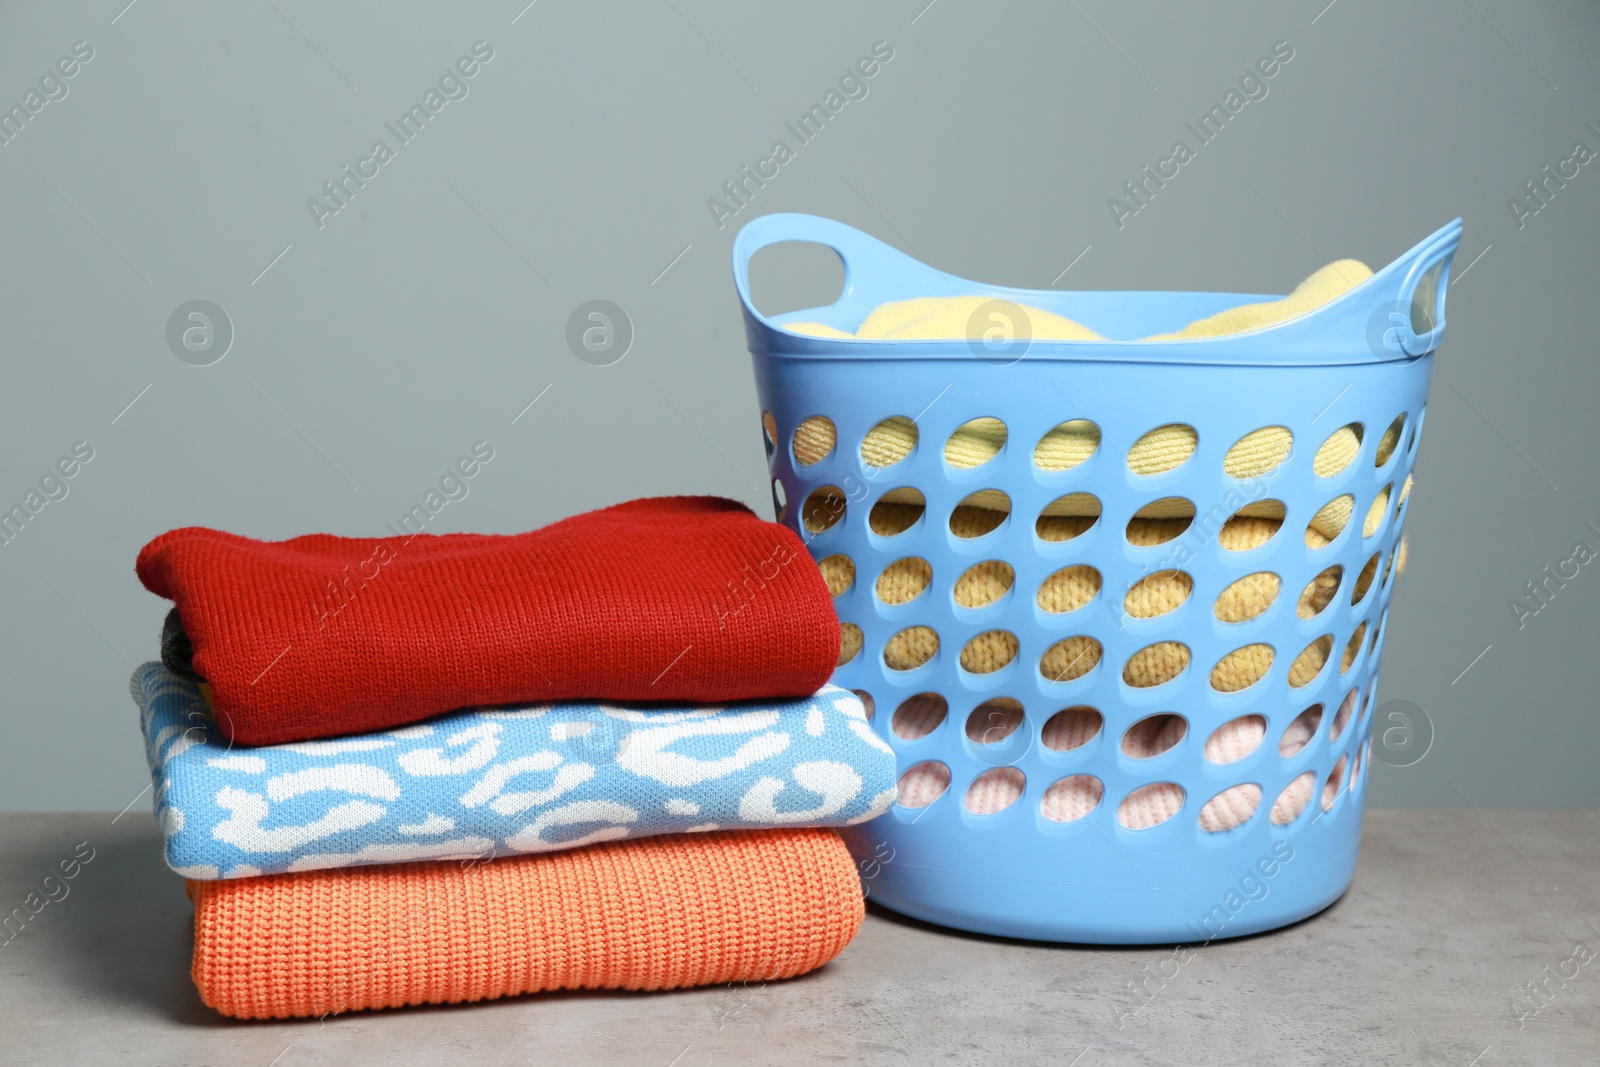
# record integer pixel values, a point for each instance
(1075, 796)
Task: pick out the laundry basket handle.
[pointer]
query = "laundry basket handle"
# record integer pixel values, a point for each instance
(1416, 321)
(862, 255)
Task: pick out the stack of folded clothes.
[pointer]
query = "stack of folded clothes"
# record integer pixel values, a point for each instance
(431, 769)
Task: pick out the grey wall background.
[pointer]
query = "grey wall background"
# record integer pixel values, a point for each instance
(371, 352)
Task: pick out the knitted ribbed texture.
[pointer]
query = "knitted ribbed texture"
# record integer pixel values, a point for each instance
(668, 599)
(664, 913)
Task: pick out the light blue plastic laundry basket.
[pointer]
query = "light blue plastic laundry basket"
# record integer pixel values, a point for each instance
(1365, 358)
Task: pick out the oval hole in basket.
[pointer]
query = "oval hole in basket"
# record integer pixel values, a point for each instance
(1163, 449)
(918, 716)
(1071, 728)
(839, 571)
(911, 648)
(1242, 668)
(1236, 739)
(1364, 579)
(1250, 527)
(1158, 594)
(989, 651)
(1160, 521)
(889, 442)
(1355, 768)
(1309, 663)
(1389, 443)
(1338, 451)
(813, 440)
(1341, 718)
(1153, 735)
(922, 784)
(1231, 808)
(994, 790)
(1150, 805)
(1258, 452)
(1066, 446)
(868, 705)
(780, 499)
(1319, 593)
(850, 641)
(1352, 648)
(1293, 800)
(1335, 782)
(897, 511)
(1068, 589)
(903, 580)
(769, 432)
(823, 508)
(980, 513)
(1069, 659)
(994, 720)
(1071, 798)
(1329, 521)
(1298, 734)
(1376, 513)
(984, 583)
(1156, 664)
(1067, 516)
(975, 443)
(1248, 597)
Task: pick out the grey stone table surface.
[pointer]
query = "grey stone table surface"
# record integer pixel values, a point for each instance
(1465, 940)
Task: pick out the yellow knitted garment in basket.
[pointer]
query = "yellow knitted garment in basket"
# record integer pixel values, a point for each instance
(1335, 279)
(976, 442)
(1162, 449)
(980, 440)
(1073, 587)
(933, 318)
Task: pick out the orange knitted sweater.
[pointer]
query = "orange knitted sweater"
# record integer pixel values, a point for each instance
(657, 913)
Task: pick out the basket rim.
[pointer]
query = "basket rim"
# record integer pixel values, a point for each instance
(1373, 322)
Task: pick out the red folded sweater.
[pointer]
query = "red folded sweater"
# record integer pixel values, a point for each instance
(667, 599)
